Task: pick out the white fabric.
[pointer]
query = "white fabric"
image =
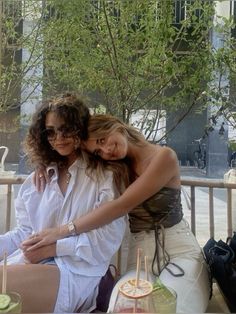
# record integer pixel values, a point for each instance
(70, 296)
(193, 289)
(88, 254)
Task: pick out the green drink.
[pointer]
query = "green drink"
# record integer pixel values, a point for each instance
(164, 298)
(10, 303)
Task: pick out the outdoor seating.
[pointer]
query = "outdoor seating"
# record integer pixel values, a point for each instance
(217, 303)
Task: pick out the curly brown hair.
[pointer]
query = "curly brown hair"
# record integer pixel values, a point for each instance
(74, 112)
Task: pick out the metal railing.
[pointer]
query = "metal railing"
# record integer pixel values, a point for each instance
(211, 184)
(192, 183)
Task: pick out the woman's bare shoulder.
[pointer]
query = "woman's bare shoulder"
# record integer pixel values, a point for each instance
(165, 154)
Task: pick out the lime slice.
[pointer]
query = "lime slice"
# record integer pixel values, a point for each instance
(130, 290)
(4, 301)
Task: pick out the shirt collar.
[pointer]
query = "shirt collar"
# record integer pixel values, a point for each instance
(52, 169)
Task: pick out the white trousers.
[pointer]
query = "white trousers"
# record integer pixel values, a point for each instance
(193, 289)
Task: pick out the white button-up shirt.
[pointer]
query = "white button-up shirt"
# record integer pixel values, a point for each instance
(87, 254)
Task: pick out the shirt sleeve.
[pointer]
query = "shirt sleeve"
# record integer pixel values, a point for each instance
(99, 245)
(11, 240)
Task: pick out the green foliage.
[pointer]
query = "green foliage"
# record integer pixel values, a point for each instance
(129, 52)
(128, 55)
(232, 145)
(19, 74)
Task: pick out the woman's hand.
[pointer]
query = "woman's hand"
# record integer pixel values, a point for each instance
(40, 178)
(37, 255)
(43, 238)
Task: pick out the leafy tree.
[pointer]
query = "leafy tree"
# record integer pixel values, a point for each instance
(221, 90)
(126, 55)
(18, 73)
(131, 54)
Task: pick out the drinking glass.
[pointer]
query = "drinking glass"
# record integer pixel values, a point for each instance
(15, 305)
(134, 299)
(138, 305)
(164, 300)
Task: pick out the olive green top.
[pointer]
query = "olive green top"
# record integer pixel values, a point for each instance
(163, 208)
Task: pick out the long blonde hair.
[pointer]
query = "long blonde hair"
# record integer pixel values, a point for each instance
(119, 168)
(102, 125)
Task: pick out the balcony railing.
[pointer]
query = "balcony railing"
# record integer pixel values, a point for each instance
(211, 184)
(190, 184)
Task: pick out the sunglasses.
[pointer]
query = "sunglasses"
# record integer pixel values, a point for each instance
(65, 131)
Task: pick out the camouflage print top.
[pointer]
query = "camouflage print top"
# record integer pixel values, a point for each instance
(163, 208)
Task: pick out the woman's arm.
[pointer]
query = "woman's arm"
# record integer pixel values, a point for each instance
(92, 248)
(159, 172)
(11, 240)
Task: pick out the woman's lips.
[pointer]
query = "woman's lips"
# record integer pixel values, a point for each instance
(61, 146)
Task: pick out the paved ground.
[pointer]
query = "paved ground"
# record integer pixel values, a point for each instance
(192, 172)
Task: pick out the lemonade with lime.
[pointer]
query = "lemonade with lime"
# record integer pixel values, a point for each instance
(10, 303)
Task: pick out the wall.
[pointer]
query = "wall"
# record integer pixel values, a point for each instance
(182, 137)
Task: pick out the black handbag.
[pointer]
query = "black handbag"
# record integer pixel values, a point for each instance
(221, 257)
(106, 285)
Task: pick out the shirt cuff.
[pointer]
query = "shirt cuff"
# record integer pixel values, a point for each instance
(66, 246)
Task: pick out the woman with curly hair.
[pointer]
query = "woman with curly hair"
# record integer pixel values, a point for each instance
(64, 276)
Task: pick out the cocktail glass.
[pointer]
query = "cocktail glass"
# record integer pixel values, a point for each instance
(164, 300)
(134, 299)
(14, 305)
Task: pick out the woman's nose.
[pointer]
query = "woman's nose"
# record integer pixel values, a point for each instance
(106, 149)
(59, 134)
